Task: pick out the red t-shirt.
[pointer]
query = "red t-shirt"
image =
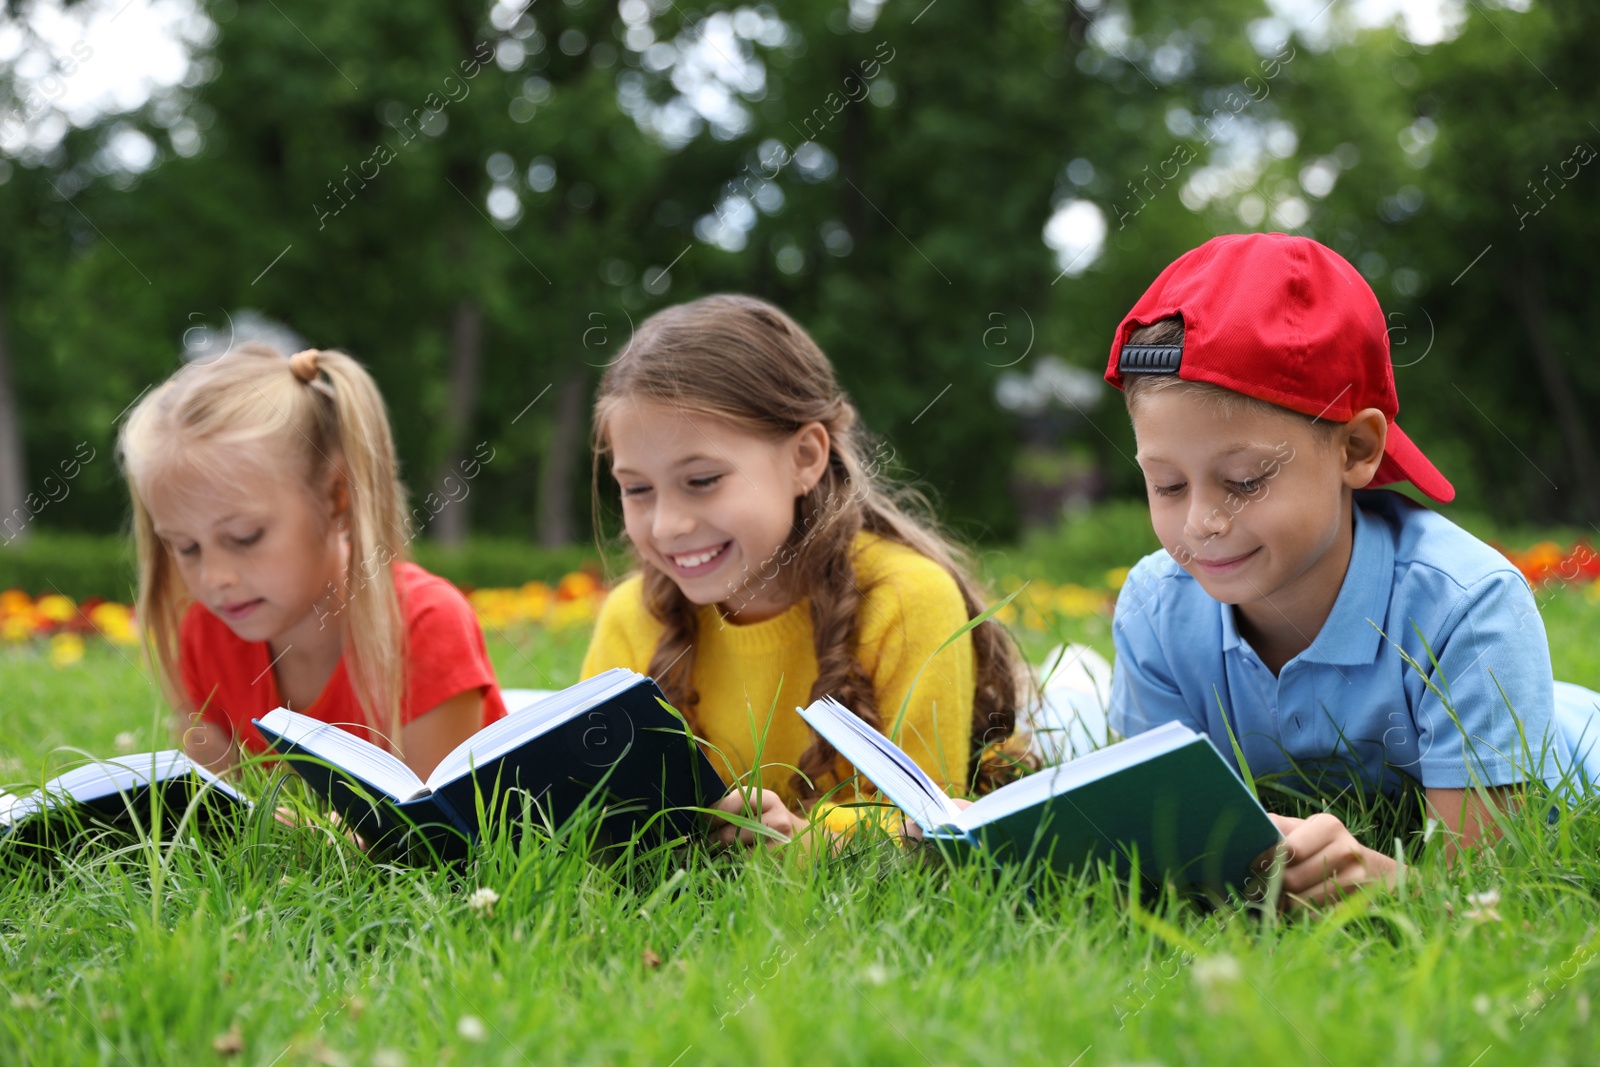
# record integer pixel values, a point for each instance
(445, 656)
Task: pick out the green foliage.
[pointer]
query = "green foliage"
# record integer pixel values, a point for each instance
(493, 563)
(74, 565)
(1085, 546)
(942, 176)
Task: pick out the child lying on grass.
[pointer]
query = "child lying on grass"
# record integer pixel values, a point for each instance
(773, 559)
(1315, 621)
(270, 527)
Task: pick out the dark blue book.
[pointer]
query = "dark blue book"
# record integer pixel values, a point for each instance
(118, 793)
(607, 741)
(1165, 796)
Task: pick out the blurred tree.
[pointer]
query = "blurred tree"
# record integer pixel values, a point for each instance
(890, 180)
(1457, 176)
(1512, 206)
(481, 201)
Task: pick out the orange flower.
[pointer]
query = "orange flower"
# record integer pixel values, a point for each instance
(577, 585)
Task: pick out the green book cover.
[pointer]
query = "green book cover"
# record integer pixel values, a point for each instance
(1165, 796)
(1184, 813)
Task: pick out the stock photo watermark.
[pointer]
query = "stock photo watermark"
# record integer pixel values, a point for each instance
(749, 184)
(1208, 971)
(56, 489)
(1251, 491)
(598, 335)
(383, 555)
(46, 91)
(1582, 154)
(833, 105)
(1182, 155)
(998, 335)
(820, 517)
(814, 924)
(1569, 571)
(426, 118)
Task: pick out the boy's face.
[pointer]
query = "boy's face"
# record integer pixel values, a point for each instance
(1251, 504)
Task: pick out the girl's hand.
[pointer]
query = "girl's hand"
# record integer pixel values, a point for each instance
(774, 815)
(288, 818)
(913, 832)
(1321, 860)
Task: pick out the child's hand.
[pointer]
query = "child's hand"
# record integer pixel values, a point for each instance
(289, 818)
(913, 832)
(1321, 860)
(774, 815)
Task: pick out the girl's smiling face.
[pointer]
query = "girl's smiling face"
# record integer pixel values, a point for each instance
(255, 549)
(711, 505)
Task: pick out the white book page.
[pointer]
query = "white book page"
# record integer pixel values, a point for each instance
(1065, 777)
(511, 732)
(383, 770)
(883, 763)
(105, 777)
(95, 781)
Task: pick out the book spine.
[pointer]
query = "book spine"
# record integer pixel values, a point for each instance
(465, 825)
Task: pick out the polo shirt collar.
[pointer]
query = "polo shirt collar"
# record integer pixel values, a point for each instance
(1347, 637)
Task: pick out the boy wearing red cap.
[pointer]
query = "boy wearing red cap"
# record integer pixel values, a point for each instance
(1337, 631)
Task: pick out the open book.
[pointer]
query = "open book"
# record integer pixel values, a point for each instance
(116, 792)
(1166, 794)
(607, 736)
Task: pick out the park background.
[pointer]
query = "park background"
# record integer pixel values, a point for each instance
(480, 201)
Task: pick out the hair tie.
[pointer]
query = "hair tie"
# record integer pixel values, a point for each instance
(304, 365)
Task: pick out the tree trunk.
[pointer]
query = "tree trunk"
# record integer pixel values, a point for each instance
(560, 462)
(466, 356)
(1528, 294)
(13, 465)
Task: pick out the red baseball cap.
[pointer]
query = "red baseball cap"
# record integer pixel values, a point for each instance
(1282, 319)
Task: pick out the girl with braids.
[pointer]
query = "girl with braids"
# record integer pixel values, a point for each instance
(775, 567)
(270, 528)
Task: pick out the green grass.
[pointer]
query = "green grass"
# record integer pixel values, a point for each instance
(296, 950)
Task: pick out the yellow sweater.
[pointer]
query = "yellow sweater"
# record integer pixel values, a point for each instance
(751, 677)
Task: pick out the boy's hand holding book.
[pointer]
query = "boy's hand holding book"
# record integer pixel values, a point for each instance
(1321, 860)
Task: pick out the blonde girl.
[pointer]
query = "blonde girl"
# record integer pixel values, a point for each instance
(273, 562)
(774, 566)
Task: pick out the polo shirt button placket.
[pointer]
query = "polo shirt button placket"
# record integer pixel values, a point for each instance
(1285, 677)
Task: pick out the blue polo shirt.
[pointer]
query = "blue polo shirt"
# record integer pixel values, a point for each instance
(1363, 703)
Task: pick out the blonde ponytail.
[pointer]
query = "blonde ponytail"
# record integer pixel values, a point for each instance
(375, 632)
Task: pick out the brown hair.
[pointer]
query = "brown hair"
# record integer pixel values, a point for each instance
(1169, 331)
(315, 415)
(742, 360)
